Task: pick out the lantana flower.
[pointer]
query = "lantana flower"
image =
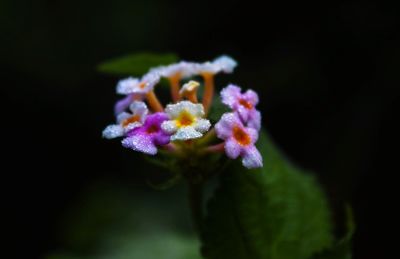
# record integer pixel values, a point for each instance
(182, 128)
(242, 103)
(127, 121)
(221, 64)
(147, 137)
(132, 85)
(239, 140)
(186, 121)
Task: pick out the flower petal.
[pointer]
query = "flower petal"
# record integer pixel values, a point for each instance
(140, 142)
(254, 120)
(251, 97)
(174, 110)
(183, 69)
(123, 116)
(150, 80)
(127, 85)
(232, 148)
(161, 139)
(122, 104)
(244, 113)
(253, 133)
(230, 95)
(139, 108)
(202, 125)
(224, 126)
(190, 86)
(113, 131)
(207, 67)
(225, 63)
(169, 127)
(195, 109)
(252, 158)
(132, 126)
(186, 133)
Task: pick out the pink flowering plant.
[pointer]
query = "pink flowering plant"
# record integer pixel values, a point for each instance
(264, 207)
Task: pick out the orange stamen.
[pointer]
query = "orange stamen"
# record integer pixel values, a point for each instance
(132, 119)
(154, 102)
(208, 91)
(241, 136)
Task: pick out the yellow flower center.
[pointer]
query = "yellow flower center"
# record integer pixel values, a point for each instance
(185, 119)
(241, 136)
(127, 121)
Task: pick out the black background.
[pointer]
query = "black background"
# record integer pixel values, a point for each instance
(327, 76)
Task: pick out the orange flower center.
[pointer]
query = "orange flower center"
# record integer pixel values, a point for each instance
(134, 118)
(152, 129)
(241, 136)
(185, 119)
(142, 85)
(246, 104)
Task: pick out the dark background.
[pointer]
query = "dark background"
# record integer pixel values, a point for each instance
(327, 76)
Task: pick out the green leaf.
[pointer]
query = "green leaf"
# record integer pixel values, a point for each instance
(342, 248)
(276, 212)
(136, 64)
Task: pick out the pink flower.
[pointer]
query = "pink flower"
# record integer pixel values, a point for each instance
(147, 137)
(244, 104)
(239, 140)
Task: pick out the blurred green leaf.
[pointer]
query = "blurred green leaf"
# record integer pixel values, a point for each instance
(136, 64)
(342, 248)
(113, 221)
(166, 245)
(276, 212)
(217, 110)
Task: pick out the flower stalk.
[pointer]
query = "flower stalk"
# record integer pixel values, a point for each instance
(154, 103)
(174, 82)
(208, 91)
(195, 196)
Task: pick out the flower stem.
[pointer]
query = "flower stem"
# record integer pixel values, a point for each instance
(208, 91)
(175, 85)
(217, 148)
(196, 204)
(154, 102)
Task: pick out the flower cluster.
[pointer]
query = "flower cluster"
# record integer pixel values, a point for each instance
(146, 125)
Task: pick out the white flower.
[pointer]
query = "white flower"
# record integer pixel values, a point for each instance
(182, 69)
(189, 87)
(186, 121)
(221, 64)
(127, 121)
(132, 85)
(185, 69)
(225, 63)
